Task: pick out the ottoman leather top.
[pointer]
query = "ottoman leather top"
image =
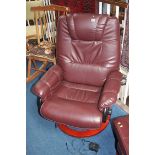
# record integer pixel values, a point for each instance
(121, 129)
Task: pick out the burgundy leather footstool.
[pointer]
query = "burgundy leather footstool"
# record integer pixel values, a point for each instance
(121, 130)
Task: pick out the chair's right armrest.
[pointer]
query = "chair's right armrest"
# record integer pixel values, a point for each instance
(49, 81)
(110, 90)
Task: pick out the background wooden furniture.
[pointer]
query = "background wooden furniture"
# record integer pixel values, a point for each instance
(30, 23)
(45, 21)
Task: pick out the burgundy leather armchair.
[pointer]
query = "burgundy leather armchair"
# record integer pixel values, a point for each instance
(86, 79)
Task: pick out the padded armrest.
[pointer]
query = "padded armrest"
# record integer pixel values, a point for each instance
(49, 81)
(110, 90)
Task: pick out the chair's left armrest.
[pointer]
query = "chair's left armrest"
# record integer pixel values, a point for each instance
(48, 82)
(110, 90)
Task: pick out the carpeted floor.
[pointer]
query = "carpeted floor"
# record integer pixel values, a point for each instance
(43, 138)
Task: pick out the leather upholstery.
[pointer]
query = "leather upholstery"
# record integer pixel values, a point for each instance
(110, 90)
(74, 104)
(121, 129)
(48, 82)
(86, 78)
(88, 46)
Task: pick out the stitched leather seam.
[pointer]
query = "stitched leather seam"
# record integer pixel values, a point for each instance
(47, 84)
(105, 27)
(57, 75)
(111, 92)
(74, 100)
(113, 79)
(74, 27)
(81, 89)
(85, 40)
(83, 63)
(98, 24)
(89, 41)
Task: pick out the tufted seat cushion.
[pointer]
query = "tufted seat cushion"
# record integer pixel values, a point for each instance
(80, 103)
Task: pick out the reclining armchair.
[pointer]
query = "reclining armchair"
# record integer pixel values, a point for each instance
(80, 89)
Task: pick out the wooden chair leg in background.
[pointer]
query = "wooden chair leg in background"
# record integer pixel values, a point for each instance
(36, 70)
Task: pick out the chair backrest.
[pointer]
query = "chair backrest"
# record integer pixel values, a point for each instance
(115, 8)
(46, 18)
(88, 47)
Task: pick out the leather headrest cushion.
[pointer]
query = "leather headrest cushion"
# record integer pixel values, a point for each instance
(86, 27)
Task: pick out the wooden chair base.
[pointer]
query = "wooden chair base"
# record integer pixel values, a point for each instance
(83, 134)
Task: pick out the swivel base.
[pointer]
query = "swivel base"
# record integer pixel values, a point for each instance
(83, 134)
